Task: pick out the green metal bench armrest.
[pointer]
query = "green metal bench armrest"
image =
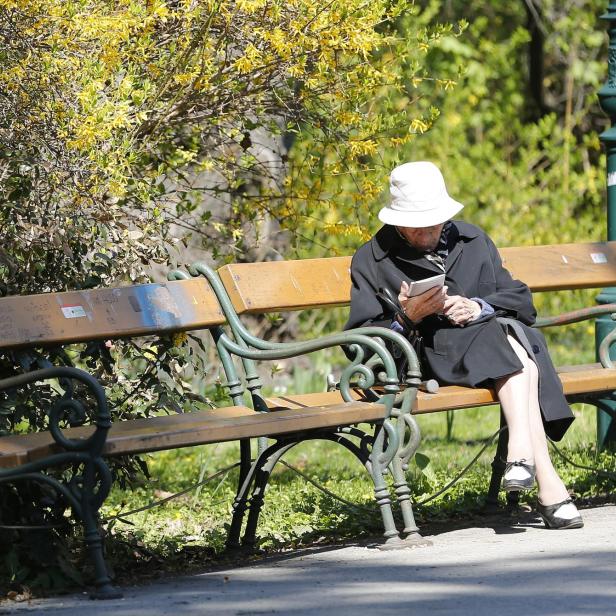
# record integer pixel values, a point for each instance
(575, 316)
(604, 349)
(242, 333)
(250, 347)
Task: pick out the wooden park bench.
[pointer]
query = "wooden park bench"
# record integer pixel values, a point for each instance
(278, 286)
(187, 304)
(57, 319)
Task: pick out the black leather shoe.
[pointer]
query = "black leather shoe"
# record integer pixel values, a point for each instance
(516, 485)
(551, 519)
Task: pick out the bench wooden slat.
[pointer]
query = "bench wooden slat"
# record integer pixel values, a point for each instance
(588, 379)
(582, 379)
(77, 316)
(323, 398)
(196, 428)
(448, 398)
(563, 266)
(575, 380)
(22, 448)
(293, 285)
(274, 286)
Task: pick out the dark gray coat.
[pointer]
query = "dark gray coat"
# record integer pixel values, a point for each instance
(478, 353)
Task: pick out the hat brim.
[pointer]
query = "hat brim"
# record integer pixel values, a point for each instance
(428, 218)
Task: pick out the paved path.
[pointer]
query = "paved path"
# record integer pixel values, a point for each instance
(490, 570)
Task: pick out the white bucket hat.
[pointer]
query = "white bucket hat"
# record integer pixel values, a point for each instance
(419, 197)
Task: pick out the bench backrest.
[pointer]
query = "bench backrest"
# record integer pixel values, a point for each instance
(292, 285)
(74, 316)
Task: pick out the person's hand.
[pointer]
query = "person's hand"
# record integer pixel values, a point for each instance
(461, 310)
(420, 306)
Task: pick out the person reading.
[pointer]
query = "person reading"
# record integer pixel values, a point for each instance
(476, 328)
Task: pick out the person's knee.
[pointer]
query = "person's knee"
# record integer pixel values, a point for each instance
(533, 370)
(520, 351)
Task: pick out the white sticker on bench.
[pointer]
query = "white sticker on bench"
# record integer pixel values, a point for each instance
(611, 179)
(73, 312)
(598, 257)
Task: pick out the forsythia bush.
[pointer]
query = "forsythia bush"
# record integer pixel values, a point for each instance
(127, 125)
(111, 112)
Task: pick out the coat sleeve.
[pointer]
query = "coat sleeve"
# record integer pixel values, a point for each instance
(511, 295)
(366, 309)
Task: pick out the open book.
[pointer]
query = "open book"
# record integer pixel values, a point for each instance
(418, 287)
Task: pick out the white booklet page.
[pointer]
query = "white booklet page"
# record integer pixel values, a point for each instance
(418, 287)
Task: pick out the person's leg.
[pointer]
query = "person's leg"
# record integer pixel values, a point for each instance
(523, 413)
(513, 393)
(551, 488)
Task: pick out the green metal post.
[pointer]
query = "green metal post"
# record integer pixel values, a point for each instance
(606, 427)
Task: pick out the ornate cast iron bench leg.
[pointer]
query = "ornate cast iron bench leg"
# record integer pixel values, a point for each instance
(264, 466)
(240, 503)
(90, 482)
(376, 462)
(96, 474)
(410, 437)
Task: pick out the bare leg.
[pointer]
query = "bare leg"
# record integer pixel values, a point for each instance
(518, 395)
(513, 393)
(551, 488)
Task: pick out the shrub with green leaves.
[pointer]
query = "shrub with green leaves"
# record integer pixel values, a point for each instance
(127, 126)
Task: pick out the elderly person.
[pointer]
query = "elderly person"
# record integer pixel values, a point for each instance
(475, 330)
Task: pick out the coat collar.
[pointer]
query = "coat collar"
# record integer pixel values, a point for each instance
(388, 240)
